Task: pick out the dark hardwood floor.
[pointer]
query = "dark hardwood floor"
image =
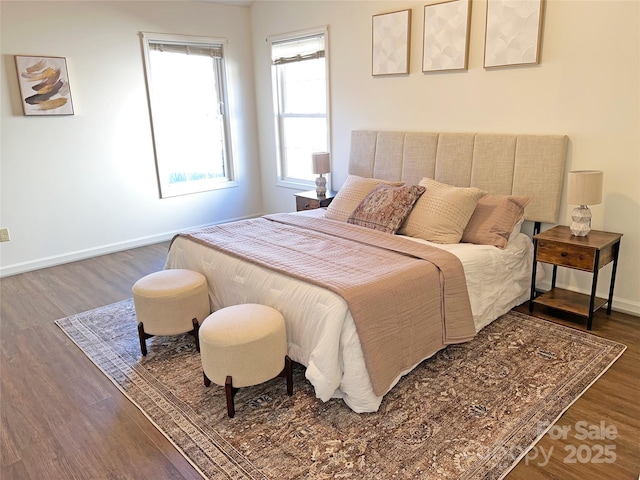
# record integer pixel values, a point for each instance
(62, 418)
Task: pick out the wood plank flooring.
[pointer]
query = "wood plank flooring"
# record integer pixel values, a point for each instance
(62, 419)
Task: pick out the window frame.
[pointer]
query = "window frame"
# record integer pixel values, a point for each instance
(278, 115)
(229, 180)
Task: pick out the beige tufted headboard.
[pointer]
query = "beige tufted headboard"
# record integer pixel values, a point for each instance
(531, 165)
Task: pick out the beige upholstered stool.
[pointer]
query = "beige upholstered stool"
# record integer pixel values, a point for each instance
(170, 302)
(244, 345)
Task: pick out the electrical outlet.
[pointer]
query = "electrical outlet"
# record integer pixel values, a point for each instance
(4, 235)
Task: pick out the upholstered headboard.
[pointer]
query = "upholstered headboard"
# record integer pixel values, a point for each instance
(531, 165)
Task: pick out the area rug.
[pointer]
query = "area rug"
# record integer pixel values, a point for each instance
(470, 412)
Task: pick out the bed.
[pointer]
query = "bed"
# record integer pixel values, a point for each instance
(325, 330)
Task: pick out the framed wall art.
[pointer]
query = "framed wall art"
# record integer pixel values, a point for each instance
(44, 85)
(391, 35)
(446, 35)
(513, 32)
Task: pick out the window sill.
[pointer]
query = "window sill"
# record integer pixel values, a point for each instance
(300, 185)
(178, 192)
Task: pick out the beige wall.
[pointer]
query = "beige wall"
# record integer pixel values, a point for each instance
(587, 86)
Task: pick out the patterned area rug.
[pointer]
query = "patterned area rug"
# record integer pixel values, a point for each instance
(472, 411)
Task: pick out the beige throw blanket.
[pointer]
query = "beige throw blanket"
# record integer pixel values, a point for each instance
(407, 300)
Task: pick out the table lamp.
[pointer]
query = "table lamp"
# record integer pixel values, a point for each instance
(585, 188)
(321, 165)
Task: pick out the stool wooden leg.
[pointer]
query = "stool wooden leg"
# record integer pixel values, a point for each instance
(230, 392)
(196, 328)
(143, 337)
(287, 373)
(207, 382)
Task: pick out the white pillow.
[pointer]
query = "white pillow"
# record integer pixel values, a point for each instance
(516, 230)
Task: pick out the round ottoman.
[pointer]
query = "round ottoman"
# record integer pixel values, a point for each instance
(170, 302)
(244, 345)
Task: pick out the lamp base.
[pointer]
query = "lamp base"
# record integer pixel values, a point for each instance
(581, 225)
(321, 186)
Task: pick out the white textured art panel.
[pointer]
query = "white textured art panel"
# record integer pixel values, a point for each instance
(513, 32)
(391, 33)
(446, 33)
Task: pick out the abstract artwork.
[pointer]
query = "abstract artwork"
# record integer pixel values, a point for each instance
(513, 32)
(446, 35)
(44, 85)
(391, 47)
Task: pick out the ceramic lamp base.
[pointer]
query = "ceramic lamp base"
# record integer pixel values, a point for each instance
(581, 225)
(321, 186)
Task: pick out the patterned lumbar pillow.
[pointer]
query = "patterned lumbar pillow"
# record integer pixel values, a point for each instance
(386, 207)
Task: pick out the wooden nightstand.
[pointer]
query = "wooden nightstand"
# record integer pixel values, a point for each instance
(311, 200)
(558, 247)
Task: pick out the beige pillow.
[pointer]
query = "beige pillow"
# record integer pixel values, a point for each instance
(386, 207)
(351, 194)
(493, 220)
(441, 213)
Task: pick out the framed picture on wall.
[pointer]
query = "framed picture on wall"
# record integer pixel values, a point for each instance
(391, 35)
(446, 35)
(44, 85)
(513, 32)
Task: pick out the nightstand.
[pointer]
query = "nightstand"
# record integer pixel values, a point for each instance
(559, 247)
(311, 200)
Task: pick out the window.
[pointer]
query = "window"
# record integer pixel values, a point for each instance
(189, 115)
(300, 92)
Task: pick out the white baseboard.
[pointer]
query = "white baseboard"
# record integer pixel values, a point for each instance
(69, 257)
(54, 260)
(619, 304)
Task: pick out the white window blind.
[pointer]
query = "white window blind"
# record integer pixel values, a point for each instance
(214, 51)
(296, 50)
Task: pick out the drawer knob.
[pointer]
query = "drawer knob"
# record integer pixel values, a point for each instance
(563, 254)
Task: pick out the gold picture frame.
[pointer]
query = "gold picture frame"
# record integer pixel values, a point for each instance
(445, 35)
(391, 43)
(513, 32)
(44, 85)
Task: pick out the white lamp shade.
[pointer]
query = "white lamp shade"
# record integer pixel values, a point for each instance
(321, 163)
(585, 187)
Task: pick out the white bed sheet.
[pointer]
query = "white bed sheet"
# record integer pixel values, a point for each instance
(321, 333)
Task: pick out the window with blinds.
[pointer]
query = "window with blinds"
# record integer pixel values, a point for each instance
(300, 91)
(187, 93)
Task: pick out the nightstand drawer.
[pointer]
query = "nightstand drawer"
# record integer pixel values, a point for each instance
(311, 200)
(306, 204)
(573, 256)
